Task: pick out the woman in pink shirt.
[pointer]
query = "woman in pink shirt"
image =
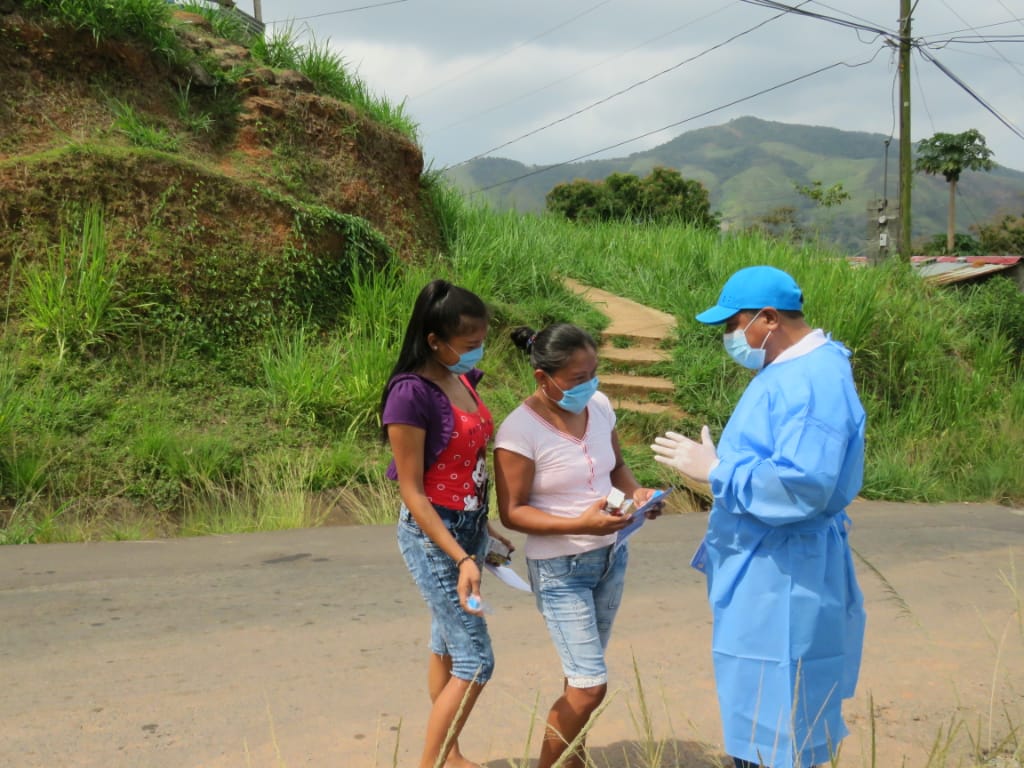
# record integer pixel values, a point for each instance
(556, 459)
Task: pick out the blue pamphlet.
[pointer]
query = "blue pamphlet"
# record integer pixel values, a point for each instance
(699, 560)
(640, 515)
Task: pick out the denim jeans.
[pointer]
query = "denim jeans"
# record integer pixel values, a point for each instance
(453, 632)
(579, 595)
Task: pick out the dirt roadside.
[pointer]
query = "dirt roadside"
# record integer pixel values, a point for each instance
(308, 648)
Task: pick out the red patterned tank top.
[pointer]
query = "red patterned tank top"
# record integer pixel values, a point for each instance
(458, 478)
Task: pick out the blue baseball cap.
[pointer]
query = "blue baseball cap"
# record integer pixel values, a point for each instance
(754, 288)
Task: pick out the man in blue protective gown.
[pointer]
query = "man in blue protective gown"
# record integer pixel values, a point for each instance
(788, 613)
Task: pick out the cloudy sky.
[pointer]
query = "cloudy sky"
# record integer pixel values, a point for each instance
(554, 80)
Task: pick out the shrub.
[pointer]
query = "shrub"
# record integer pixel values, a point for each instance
(997, 307)
(72, 299)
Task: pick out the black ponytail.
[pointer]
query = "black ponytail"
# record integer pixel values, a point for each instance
(551, 348)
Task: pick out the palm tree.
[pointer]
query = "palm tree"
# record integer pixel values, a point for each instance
(950, 154)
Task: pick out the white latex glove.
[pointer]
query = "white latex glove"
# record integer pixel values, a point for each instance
(686, 456)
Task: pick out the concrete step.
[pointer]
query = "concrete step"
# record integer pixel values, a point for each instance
(629, 319)
(624, 384)
(633, 355)
(638, 406)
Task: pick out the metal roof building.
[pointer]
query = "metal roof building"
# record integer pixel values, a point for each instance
(946, 270)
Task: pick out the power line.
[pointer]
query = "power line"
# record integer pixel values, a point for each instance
(799, 11)
(972, 40)
(1015, 18)
(617, 93)
(920, 90)
(578, 72)
(514, 48)
(681, 122)
(975, 29)
(948, 73)
(845, 13)
(959, 52)
(336, 13)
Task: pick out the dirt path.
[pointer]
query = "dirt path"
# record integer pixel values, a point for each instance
(308, 648)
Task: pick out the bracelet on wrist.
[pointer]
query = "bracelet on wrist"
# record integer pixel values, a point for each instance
(461, 560)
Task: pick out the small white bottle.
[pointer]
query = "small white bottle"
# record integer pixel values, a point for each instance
(475, 603)
(613, 504)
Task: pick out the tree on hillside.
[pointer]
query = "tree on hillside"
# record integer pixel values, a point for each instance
(950, 154)
(666, 195)
(626, 194)
(780, 224)
(963, 245)
(824, 197)
(1005, 236)
(663, 195)
(580, 200)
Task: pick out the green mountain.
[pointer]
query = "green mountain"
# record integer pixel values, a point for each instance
(751, 167)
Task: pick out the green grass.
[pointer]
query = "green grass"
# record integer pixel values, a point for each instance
(72, 299)
(195, 120)
(141, 133)
(147, 20)
(156, 424)
(144, 391)
(279, 48)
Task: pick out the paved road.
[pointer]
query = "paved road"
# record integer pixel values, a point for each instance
(308, 647)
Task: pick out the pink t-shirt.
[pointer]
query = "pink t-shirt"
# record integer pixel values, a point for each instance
(570, 474)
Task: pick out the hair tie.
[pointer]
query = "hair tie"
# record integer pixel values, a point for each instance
(529, 341)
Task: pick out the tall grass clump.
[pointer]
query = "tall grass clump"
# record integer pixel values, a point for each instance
(272, 493)
(337, 377)
(197, 121)
(72, 300)
(370, 336)
(147, 21)
(330, 75)
(446, 204)
(278, 48)
(10, 399)
(139, 132)
(302, 375)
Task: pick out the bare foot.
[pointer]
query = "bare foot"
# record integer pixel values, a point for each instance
(458, 761)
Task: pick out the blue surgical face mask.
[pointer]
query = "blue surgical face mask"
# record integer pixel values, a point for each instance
(467, 360)
(740, 350)
(575, 400)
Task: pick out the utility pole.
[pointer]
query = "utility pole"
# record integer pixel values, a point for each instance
(906, 159)
(883, 220)
(257, 10)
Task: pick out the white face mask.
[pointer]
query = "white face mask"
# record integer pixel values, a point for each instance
(740, 350)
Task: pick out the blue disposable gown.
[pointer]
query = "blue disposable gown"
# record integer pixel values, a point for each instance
(788, 612)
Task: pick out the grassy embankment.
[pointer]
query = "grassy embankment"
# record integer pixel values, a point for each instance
(118, 423)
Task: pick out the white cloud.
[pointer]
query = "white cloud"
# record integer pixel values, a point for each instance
(460, 61)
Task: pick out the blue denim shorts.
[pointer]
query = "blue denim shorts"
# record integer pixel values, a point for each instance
(453, 632)
(579, 595)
